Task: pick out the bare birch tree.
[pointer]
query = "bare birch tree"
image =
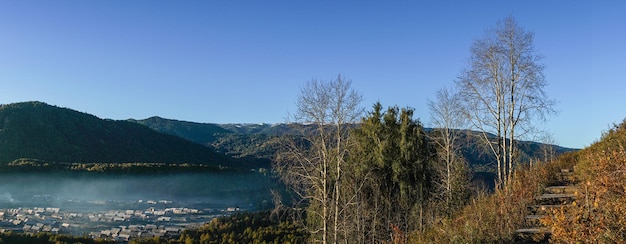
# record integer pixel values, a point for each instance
(312, 163)
(503, 91)
(547, 151)
(451, 169)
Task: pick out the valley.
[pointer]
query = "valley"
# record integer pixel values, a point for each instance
(122, 207)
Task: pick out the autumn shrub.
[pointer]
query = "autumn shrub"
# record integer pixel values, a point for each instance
(493, 218)
(598, 214)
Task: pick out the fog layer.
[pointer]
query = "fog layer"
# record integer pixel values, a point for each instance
(250, 190)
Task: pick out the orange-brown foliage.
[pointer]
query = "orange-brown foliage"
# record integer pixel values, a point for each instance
(598, 215)
(493, 218)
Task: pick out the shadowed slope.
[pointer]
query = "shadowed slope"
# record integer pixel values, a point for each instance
(40, 131)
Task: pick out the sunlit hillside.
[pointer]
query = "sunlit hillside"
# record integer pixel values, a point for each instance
(596, 215)
(599, 213)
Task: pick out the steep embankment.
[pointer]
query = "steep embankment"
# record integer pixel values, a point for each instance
(40, 131)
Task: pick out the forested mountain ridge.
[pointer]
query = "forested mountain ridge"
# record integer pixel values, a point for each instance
(52, 134)
(255, 143)
(199, 133)
(260, 141)
(36, 130)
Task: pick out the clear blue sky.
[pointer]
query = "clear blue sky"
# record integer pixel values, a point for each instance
(245, 61)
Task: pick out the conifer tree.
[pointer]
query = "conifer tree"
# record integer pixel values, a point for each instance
(391, 158)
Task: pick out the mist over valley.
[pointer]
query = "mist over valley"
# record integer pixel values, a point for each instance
(88, 204)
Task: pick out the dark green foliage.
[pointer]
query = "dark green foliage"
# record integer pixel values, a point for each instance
(47, 238)
(392, 163)
(479, 159)
(482, 163)
(40, 131)
(34, 165)
(258, 227)
(258, 142)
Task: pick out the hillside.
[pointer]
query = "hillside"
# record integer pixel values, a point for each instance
(40, 131)
(260, 141)
(479, 158)
(200, 133)
(595, 211)
(253, 142)
(598, 214)
(264, 128)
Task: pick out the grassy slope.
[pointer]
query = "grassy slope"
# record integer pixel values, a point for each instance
(493, 218)
(598, 215)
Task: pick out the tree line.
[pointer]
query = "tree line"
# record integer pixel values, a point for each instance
(23, 165)
(259, 227)
(367, 183)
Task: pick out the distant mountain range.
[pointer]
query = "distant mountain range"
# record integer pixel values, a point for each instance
(260, 141)
(40, 131)
(252, 142)
(36, 130)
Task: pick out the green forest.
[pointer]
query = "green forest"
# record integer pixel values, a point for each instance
(40, 132)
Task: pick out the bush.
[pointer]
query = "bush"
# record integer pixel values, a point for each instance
(598, 215)
(494, 218)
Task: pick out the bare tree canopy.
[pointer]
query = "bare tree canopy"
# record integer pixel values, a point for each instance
(451, 170)
(329, 102)
(312, 164)
(502, 90)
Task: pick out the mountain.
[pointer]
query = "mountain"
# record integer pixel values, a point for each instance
(479, 156)
(40, 131)
(203, 134)
(260, 141)
(254, 143)
(263, 128)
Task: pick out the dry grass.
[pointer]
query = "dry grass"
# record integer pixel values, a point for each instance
(493, 218)
(598, 215)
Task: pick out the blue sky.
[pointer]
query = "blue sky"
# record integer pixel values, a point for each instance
(245, 61)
